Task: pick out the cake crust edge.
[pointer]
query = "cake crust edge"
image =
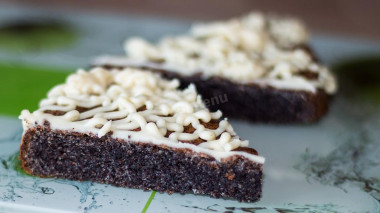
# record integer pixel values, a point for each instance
(54, 153)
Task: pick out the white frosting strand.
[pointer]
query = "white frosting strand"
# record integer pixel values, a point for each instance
(245, 50)
(135, 105)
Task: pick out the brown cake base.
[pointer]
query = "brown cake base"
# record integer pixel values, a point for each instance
(253, 102)
(85, 157)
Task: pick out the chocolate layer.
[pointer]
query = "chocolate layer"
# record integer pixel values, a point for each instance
(71, 155)
(253, 102)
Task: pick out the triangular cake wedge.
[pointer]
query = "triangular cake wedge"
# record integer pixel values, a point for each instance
(132, 128)
(261, 64)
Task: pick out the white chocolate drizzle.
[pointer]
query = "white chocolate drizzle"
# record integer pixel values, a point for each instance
(139, 106)
(254, 48)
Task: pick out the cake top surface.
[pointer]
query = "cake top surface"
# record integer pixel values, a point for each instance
(255, 48)
(136, 105)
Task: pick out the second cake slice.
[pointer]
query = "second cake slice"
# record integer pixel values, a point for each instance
(257, 67)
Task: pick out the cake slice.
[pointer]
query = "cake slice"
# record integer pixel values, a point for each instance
(261, 65)
(131, 128)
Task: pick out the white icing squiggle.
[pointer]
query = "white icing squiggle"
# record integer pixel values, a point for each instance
(244, 50)
(138, 105)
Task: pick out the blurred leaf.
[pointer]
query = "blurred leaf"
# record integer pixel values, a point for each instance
(23, 86)
(360, 78)
(35, 35)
